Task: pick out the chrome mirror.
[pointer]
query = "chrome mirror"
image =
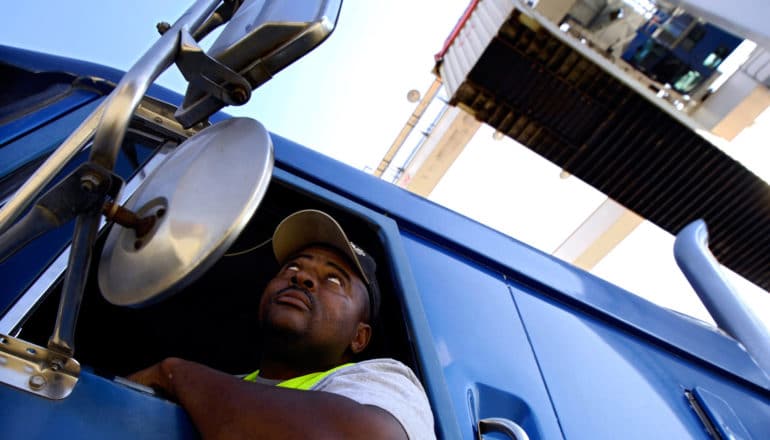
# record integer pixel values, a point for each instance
(262, 38)
(191, 209)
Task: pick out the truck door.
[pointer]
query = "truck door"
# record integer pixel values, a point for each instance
(480, 341)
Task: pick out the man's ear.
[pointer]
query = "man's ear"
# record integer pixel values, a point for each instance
(361, 338)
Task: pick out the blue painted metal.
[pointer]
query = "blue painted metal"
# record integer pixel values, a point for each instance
(606, 383)
(705, 276)
(98, 408)
(480, 342)
(39, 62)
(721, 415)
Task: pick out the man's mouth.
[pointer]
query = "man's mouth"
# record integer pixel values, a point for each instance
(294, 297)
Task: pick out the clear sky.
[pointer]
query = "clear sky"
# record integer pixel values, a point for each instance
(347, 99)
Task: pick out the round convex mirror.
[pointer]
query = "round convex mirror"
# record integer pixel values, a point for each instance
(202, 196)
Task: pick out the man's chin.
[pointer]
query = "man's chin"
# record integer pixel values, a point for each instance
(290, 322)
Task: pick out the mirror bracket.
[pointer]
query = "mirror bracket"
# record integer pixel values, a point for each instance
(83, 190)
(37, 370)
(209, 76)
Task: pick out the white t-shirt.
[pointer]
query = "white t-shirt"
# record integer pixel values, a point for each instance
(387, 384)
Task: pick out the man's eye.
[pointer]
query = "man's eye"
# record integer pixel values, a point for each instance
(334, 279)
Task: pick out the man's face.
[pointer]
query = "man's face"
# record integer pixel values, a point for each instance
(318, 300)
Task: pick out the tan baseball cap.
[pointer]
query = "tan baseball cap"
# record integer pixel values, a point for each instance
(310, 226)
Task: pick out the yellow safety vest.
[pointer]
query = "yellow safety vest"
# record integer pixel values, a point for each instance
(305, 382)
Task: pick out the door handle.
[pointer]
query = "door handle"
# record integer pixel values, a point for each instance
(501, 425)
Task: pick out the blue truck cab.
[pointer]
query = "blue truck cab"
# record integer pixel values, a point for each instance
(508, 341)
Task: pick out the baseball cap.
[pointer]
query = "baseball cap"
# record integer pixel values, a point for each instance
(311, 226)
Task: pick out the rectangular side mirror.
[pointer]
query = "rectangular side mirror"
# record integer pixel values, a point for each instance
(262, 38)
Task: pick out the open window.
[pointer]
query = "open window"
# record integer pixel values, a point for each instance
(213, 321)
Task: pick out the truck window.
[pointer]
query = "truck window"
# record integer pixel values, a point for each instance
(213, 320)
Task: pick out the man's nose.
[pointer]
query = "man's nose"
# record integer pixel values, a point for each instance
(303, 279)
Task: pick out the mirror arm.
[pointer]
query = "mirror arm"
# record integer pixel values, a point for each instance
(63, 338)
(127, 95)
(87, 189)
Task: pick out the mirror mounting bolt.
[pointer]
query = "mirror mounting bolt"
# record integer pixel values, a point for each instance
(37, 382)
(57, 364)
(89, 182)
(163, 27)
(239, 95)
(129, 219)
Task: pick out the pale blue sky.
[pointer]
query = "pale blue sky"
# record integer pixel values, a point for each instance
(347, 98)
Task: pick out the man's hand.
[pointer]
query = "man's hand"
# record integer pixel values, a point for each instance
(158, 377)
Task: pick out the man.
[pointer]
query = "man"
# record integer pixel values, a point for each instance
(316, 315)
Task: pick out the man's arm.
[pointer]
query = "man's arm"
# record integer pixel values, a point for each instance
(222, 406)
